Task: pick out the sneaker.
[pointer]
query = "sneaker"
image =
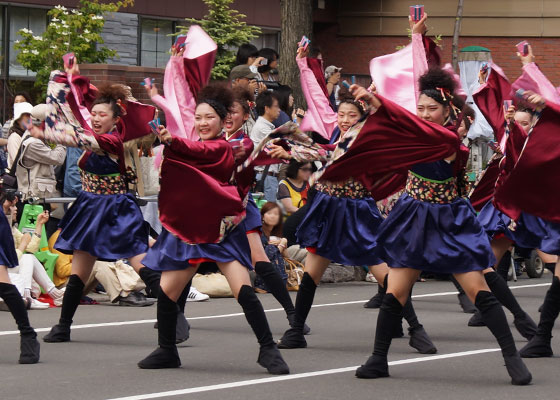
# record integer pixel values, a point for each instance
(195, 295)
(38, 305)
(57, 295)
(370, 278)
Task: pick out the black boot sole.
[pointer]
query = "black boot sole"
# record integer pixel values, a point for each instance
(373, 369)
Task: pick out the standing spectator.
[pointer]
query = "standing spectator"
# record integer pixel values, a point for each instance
(72, 181)
(268, 110)
(267, 64)
(242, 76)
(292, 191)
(286, 103)
(21, 97)
(35, 167)
(22, 115)
(248, 54)
(332, 76)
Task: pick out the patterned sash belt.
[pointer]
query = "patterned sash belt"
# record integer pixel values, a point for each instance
(103, 184)
(350, 189)
(431, 191)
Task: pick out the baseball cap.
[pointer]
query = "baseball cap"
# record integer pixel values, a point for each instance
(331, 69)
(242, 71)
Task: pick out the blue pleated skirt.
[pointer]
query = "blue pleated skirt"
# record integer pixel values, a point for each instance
(341, 229)
(170, 253)
(439, 238)
(551, 241)
(109, 227)
(253, 220)
(8, 255)
(528, 233)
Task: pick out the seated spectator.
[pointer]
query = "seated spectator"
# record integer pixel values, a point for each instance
(268, 110)
(292, 192)
(265, 71)
(30, 270)
(121, 282)
(273, 243)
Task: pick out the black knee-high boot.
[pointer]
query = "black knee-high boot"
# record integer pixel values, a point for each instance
(183, 327)
(151, 278)
(269, 355)
(388, 320)
(375, 301)
(495, 319)
(277, 287)
(166, 355)
(539, 345)
(464, 301)
(522, 321)
(294, 338)
(419, 338)
(72, 296)
(29, 346)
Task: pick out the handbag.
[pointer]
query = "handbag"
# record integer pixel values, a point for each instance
(214, 285)
(150, 175)
(9, 180)
(259, 187)
(294, 270)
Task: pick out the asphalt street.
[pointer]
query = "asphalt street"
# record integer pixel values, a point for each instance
(219, 360)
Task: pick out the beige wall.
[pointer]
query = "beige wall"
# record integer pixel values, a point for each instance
(525, 18)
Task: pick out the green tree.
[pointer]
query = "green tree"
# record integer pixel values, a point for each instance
(77, 30)
(227, 28)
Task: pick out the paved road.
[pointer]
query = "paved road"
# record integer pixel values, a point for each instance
(219, 358)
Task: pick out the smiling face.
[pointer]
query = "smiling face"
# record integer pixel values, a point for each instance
(102, 119)
(235, 118)
(524, 119)
(207, 122)
(348, 115)
(430, 110)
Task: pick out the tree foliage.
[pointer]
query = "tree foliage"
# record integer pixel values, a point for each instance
(77, 30)
(227, 28)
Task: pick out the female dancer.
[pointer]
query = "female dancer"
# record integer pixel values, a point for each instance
(490, 99)
(209, 229)
(104, 222)
(340, 224)
(29, 346)
(234, 122)
(432, 228)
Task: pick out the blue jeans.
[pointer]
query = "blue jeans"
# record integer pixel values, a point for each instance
(270, 187)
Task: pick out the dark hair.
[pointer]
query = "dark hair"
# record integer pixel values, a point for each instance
(440, 86)
(265, 99)
(283, 93)
(270, 55)
(294, 167)
(244, 52)
(268, 206)
(243, 96)
(344, 96)
(218, 96)
(314, 52)
(468, 112)
(25, 95)
(111, 94)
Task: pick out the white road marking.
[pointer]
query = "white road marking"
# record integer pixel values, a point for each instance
(252, 382)
(151, 321)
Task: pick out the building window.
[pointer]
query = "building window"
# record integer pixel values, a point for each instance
(155, 42)
(267, 39)
(34, 19)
